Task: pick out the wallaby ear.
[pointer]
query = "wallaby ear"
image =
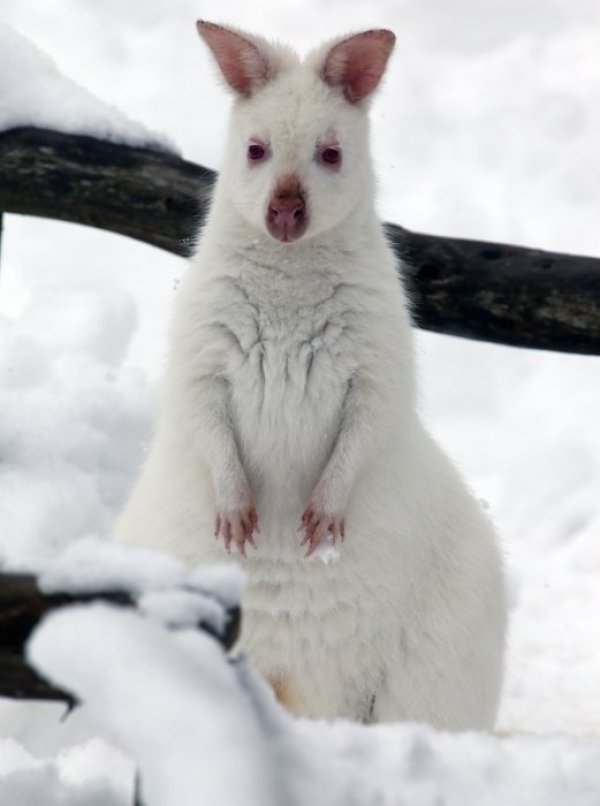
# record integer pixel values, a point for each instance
(243, 60)
(356, 64)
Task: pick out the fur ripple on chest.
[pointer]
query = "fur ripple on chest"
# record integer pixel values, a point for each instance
(288, 364)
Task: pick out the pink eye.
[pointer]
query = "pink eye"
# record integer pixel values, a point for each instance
(256, 152)
(331, 156)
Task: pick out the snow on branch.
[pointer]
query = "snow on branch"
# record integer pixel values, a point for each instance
(34, 92)
(91, 572)
(488, 291)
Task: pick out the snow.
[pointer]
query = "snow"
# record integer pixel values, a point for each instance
(66, 400)
(34, 93)
(183, 609)
(487, 127)
(226, 580)
(25, 780)
(164, 589)
(91, 564)
(168, 686)
(170, 701)
(327, 552)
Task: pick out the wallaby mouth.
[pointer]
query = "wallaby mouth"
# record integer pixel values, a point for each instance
(287, 216)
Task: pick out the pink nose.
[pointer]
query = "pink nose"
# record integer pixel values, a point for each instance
(286, 214)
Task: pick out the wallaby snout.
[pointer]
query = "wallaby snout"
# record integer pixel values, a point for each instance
(287, 216)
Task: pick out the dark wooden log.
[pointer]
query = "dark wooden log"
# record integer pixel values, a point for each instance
(500, 293)
(492, 292)
(22, 606)
(146, 194)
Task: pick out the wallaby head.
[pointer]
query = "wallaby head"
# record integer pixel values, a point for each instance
(297, 161)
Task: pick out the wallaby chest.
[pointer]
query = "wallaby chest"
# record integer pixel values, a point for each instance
(286, 337)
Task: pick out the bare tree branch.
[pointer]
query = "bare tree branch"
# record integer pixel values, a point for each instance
(501, 293)
(493, 292)
(149, 195)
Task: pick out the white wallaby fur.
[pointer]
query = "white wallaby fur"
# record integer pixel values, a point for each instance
(288, 417)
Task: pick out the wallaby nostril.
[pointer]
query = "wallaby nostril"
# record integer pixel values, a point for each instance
(281, 209)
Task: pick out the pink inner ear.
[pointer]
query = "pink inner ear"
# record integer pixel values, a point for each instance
(241, 62)
(358, 63)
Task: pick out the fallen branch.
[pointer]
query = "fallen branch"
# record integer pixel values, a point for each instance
(487, 291)
(22, 606)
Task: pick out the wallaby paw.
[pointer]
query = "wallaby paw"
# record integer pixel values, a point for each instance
(237, 526)
(317, 526)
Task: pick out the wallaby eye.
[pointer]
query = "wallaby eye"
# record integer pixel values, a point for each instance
(257, 152)
(330, 156)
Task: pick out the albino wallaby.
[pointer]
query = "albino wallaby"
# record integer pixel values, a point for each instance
(288, 427)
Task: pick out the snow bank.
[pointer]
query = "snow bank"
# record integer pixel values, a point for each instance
(66, 403)
(91, 564)
(205, 731)
(34, 93)
(164, 588)
(74, 779)
(171, 699)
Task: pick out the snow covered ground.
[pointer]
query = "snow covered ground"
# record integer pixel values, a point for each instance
(487, 127)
